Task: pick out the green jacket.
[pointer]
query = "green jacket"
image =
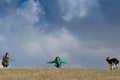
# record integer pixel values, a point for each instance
(57, 62)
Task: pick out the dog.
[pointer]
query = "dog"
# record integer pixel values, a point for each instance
(113, 62)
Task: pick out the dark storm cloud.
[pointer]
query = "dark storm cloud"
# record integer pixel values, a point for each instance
(110, 10)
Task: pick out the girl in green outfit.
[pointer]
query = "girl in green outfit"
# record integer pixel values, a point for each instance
(57, 62)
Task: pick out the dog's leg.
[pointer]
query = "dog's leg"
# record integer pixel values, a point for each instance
(113, 66)
(117, 66)
(110, 66)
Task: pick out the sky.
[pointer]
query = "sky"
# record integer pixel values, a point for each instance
(81, 32)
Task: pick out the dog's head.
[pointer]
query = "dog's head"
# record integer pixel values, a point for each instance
(108, 59)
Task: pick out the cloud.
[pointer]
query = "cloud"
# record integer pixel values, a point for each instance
(2, 39)
(60, 41)
(30, 11)
(18, 29)
(29, 46)
(39, 30)
(76, 8)
(8, 1)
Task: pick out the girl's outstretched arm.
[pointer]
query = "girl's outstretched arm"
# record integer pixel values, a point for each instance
(62, 61)
(51, 62)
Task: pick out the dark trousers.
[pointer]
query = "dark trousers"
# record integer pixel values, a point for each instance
(5, 64)
(57, 65)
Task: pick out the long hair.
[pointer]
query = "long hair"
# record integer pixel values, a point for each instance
(7, 57)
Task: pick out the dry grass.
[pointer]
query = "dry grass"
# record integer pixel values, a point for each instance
(58, 74)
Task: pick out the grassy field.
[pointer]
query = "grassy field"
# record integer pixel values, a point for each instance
(58, 74)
